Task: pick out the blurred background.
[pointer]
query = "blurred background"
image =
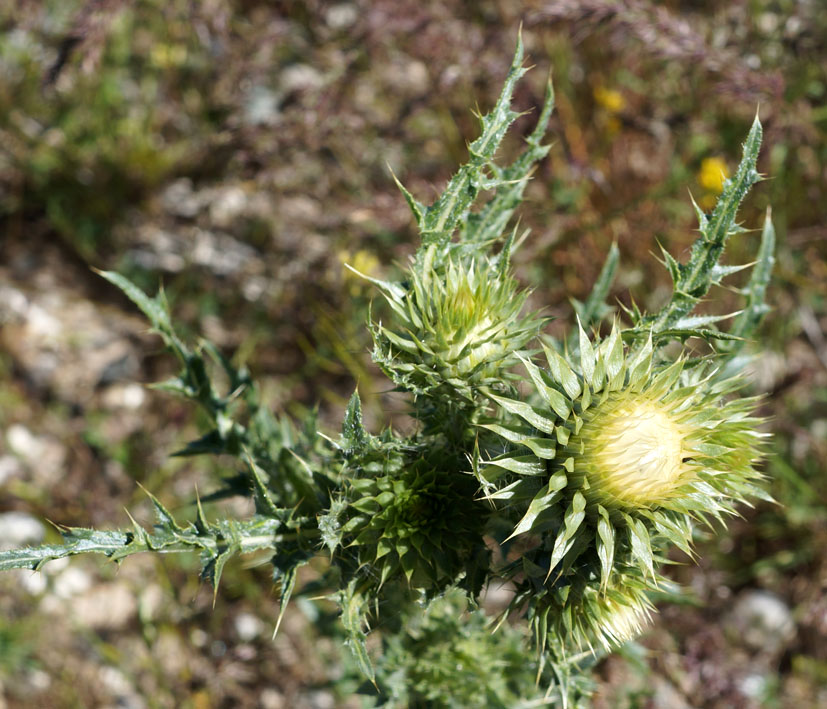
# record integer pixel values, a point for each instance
(240, 152)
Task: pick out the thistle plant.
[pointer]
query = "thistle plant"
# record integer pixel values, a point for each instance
(567, 469)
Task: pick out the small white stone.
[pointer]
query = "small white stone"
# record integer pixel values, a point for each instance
(322, 699)
(119, 685)
(124, 396)
(114, 680)
(227, 204)
(71, 582)
(13, 304)
(43, 324)
(38, 680)
(33, 582)
(248, 627)
(180, 199)
(19, 529)
(818, 428)
(109, 605)
(56, 566)
(272, 699)
(793, 26)
(149, 602)
(253, 288)
(753, 686)
(763, 621)
(341, 16)
(261, 106)
(9, 468)
(298, 77)
(24, 444)
(768, 22)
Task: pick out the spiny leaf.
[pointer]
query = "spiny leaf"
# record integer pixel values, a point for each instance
(532, 415)
(541, 447)
(78, 541)
(695, 322)
(587, 358)
(693, 280)
(353, 620)
(155, 309)
(614, 357)
(165, 518)
(640, 544)
(264, 503)
(750, 317)
(562, 372)
(519, 464)
(487, 225)
(416, 207)
(167, 537)
(441, 218)
(288, 584)
(210, 443)
(551, 396)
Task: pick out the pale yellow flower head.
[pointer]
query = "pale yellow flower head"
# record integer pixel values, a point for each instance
(634, 452)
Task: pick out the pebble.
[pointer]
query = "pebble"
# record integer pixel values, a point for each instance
(124, 396)
(24, 444)
(762, 621)
(9, 468)
(44, 456)
(227, 204)
(71, 582)
(341, 16)
(180, 199)
(119, 685)
(272, 699)
(18, 529)
(248, 627)
(666, 696)
(107, 606)
(261, 107)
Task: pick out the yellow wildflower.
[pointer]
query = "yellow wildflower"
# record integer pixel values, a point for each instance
(610, 99)
(712, 174)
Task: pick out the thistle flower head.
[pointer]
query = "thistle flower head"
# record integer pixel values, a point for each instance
(636, 450)
(456, 327)
(621, 455)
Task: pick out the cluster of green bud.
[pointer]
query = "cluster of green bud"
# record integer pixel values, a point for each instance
(415, 522)
(404, 515)
(457, 326)
(449, 657)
